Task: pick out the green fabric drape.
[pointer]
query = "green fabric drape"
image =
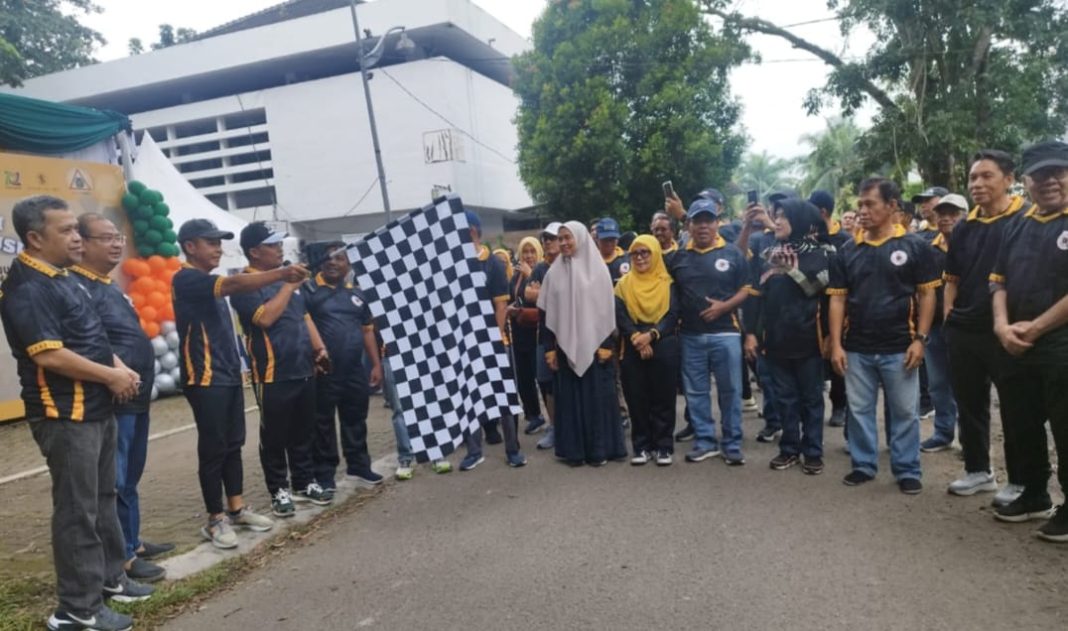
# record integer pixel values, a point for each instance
(35, 126)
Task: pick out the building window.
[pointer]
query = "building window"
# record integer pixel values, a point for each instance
(255, 197)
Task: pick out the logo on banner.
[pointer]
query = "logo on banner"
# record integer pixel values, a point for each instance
(12, 179)
(899, 258)
(79, 181)
(723, 265)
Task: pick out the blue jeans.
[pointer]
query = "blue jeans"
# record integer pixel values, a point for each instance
(799, 395)
(938, 384)
(902, 389)
(772, 417)
(131, 450)
(400, 430)
(703, 356)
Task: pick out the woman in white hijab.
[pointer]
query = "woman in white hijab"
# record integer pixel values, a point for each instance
(578, 327)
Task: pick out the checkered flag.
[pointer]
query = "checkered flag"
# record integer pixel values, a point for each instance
(435, 315)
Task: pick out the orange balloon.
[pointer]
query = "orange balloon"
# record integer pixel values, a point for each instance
(160, 286)
(135, 268)
(156, 263)
(173, 263)
(138, 299)
(149, 313)
(167, 315)
(151, 329)
(167, 276)
(145, 284)
(156, 299)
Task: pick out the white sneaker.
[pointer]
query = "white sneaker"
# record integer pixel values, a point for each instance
(1007, 495)
(404, 471)
(972, 483)
(749, 405)
(251, 521)
(640, 458)
(220, 534)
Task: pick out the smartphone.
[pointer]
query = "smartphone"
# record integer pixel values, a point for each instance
(669, 190)
(752, 197)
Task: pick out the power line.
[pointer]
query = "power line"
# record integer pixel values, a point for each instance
(362, 197)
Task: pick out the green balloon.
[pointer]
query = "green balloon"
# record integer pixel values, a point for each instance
(168, 223)
(135, 187)
(162, 210)
(149, 197)
(145, 251)
(139, 226)
(167, 250)
(170, 236)
(158, 222)
(153, 237)
(144, 212)
(130, 202)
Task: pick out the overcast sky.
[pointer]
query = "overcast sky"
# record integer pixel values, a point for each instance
(771, 92)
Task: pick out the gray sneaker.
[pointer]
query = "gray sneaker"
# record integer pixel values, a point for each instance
(547, 441)
(972, 483)
(698, 454)
(105, 619)
(128, 591)
(220, 534)
(249, 520)
(1007, 495)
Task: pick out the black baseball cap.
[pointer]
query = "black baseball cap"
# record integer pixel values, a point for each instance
(713, 194)
(822, 200)
(257, 233)
(785, 193)
(202, 229)
(931, 193)
(1052, 153)
(703, 206)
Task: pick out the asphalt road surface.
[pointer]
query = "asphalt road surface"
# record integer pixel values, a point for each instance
(687, 546)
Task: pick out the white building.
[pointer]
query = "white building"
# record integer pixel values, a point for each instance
(266, 115)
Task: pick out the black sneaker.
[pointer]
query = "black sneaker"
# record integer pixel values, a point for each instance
(782, 462)
(315, 494)
(534, 423)
(838, 418)
(856, 478)
(768, 434)
(910, 486)
(128, 591)
(145, 572)
(663, 458)
(152, 550)
(493, 434)
(812, 466)
(1056, 529)
(685, 434)
(1025, 508)
(103, 620)
(734, 460)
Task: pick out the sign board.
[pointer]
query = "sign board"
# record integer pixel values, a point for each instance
(443, 145)
(85, 186)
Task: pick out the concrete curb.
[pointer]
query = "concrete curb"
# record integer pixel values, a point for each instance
(205, 555)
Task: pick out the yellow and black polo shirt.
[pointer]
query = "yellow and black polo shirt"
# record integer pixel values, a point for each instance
(207, 344)
(282, 351)
(1032, 266)
(975, 242)
(880, 280)
(124, 332)
(342, 315)
(618, 264)
(719, 272)
(43, 308)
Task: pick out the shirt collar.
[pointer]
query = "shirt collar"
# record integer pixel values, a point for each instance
(1034, 213)
(615, 255)
(861, 238)
(90, 274)
(483, 253)
(941, 243)
(1015, 204)
(38, 265)
(836, 227)
(717, 244)
(321, 282)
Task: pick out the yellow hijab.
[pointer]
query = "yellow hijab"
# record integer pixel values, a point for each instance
(534, 243)
(506, 258)
(647, 296)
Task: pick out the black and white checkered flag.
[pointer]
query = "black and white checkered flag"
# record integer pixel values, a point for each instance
(435, 316)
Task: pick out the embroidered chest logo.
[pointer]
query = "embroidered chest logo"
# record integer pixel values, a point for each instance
(624, 268)
(357, 302)
(1062, 241)
(899, 257)
(722, 265)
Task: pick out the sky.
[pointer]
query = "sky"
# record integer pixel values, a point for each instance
(771, 92)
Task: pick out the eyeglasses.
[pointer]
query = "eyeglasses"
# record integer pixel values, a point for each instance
(109, 239)
(641, 254)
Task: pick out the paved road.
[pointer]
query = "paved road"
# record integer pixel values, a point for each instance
(693, 545)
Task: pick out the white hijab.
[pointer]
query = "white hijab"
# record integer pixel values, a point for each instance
(578, 302)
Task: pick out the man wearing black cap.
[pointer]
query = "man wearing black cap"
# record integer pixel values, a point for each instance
(711, 276)
(975, 355)
(618, 261)
(211, 373)
(925, 203)
(286, 352)
(1030, 300)
(837, 237)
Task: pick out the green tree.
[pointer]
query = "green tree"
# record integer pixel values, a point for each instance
(169, 36)
(617, 96)
(44, 36)
(764, 173)
(835, 163)
(135, 46)
(949, 76)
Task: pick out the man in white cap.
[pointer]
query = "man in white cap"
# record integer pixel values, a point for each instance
(550, 244)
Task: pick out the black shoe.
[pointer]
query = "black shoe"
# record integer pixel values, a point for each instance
(838, 418)
(103, 620)
(768, 434)
(152, 550)
(856, 478)
(127, 591)
(145, 572)
(910, 486)
(734, 460)
(782, 462)
(812, 466)
(493, 434)
(1025, 508)
(685, 434)
(1056, 529)
(534, 423)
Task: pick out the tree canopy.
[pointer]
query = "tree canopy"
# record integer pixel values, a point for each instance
(949, 76)
(617, 96)
(44, 36)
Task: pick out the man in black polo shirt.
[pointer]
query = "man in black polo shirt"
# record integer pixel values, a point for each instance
(1030, 301)
(925, 207)
(711, 277)
(975, 356)
(211, 373)
(285, 350)
(343, 318)
(550, 244)
(884, 282)
(102, 245)
(618, 261)
(69, 377)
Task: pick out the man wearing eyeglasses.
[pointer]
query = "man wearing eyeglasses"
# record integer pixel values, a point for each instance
(102, 251)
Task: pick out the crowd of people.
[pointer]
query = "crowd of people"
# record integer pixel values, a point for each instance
(604, 329)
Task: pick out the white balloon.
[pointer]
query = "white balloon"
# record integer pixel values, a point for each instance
(172, 340)
(165, 383)
(176, 374)
(168, 360)
(159, 346)
(157, 369)
(168, 327)
(155, 392)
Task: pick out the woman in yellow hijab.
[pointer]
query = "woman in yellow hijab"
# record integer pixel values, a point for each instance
(647, 319)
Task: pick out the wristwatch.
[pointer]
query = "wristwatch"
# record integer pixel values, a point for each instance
(921, 337)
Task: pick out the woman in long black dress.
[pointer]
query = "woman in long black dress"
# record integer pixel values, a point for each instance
(578, 330)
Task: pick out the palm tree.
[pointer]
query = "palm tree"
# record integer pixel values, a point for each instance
(835, 161)
(764, 173)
